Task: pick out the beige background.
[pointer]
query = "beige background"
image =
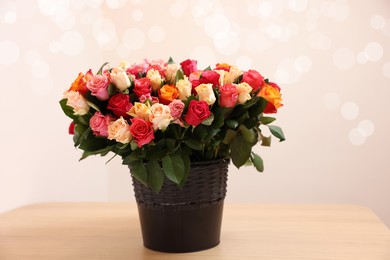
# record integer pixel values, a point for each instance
(331, 58)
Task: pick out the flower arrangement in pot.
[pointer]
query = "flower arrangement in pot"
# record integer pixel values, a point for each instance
(162, 117)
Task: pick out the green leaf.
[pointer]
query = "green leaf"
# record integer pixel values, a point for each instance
(102, 151)
(240, 151)
(100, 71)
(67, 109)
(200, 132)
(277, 132)
(211, 133)
(131, 159)
(267, 120)
(229, 137)
(173, 167)
(208, 68)
(265, 140)
(80, 134)
(138, 170)
(155, 175)
(218, 117)
(187, 165)
(194, 144)
(170, 61)
(179, 75)
(93, 106)
(232, 123)
(111, 89)
(248, 134)
(257, 162)
(208, 121)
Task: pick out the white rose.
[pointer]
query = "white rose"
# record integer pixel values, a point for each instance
(155, 79)
(184, 87)
(243, 90)
(206, 93)
(119, 78)
(232, 75)
(77, 102)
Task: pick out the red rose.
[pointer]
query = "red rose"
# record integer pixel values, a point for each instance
(71, 128)
(228, 96)
(159, 68)
(253, 78)
(142, 131)
(142, 87)
(210, 76)
(189, 66)
(120, 104)
(197, 112)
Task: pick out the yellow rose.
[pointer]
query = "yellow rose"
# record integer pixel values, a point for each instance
(243, 90)
(232, 75)
(167, 94)
(155, 79)
(170, 72)
(119, 78)
(119, 130)
(140, 110)
(77, 102)
(206, 93)
(184, 88)
(160, 116)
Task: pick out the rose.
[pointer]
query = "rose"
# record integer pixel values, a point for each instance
(170, 72)
(197, 112)
(222, 74)
(120, 79)
(140, 110)
(253, 78)
(99, 124)
(229, 95)
(189, 66)
(158, 67)
(184, 88)
(155, 78)
(243, 90)
(149, 97)
(167, 93)
(119, 130)
(142, 131)
(142, 86)
(98, 86)
(80, 83)
(222, 66)
(271, 93)
(76, 101)
(206, 93)
(71, 128)
(137, 69)
(120, 104)
(176, 107)
(210, 76)
(160, 116)
(232, 75)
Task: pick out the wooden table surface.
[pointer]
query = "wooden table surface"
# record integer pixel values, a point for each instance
(87, 231)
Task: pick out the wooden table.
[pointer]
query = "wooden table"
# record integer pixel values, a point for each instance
(88, 231)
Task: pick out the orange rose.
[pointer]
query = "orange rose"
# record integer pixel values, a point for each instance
(271, 93)
(222, 66)
(80, 83)
(167, 94)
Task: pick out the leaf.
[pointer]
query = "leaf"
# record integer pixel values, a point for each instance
(277, 132)
(79, 131)
(208, 68)
(267, 120)
(229, 137)
(211, 133)
(232, 124)
(173, 167)
(240, 151)
(139, 171)
(93, 106)
(200, 132)
(100, 71)
(208, 121)
(131, 159)
(102, 151)
(265, 140)
(170, 61)
(248, 134)
(194, 144)
(179, 75)
(155, 175)
(67, 109)
(257, 162)
(218, 117)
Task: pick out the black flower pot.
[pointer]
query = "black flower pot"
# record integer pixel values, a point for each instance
(184, 219)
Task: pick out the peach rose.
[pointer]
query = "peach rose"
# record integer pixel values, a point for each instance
(177, 107)
(160, 116)
(77, 102)
(243, 90)
(167, 94)
(271, 93)
(170, 72)
(232, 75)
(119, 130)
(184, 88)
(222, 74)
(206, 93)
(120, 79)
(155, 79)
(140, 110)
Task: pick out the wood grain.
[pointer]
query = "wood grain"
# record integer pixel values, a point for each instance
(111, 231)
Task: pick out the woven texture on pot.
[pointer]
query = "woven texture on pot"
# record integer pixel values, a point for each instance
(206, 185)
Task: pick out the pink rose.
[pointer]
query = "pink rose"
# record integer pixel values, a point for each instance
(228, 95)
(177, 107)
(137, 70)
(210, 76)
(98, 86)
(197, 112)
(142, 131)
(142, 86)
(120, 104)
(99, 124)
(149, 97)
(189, 66)
(253, 78)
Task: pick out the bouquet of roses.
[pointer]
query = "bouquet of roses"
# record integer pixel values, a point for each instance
(161, 116)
